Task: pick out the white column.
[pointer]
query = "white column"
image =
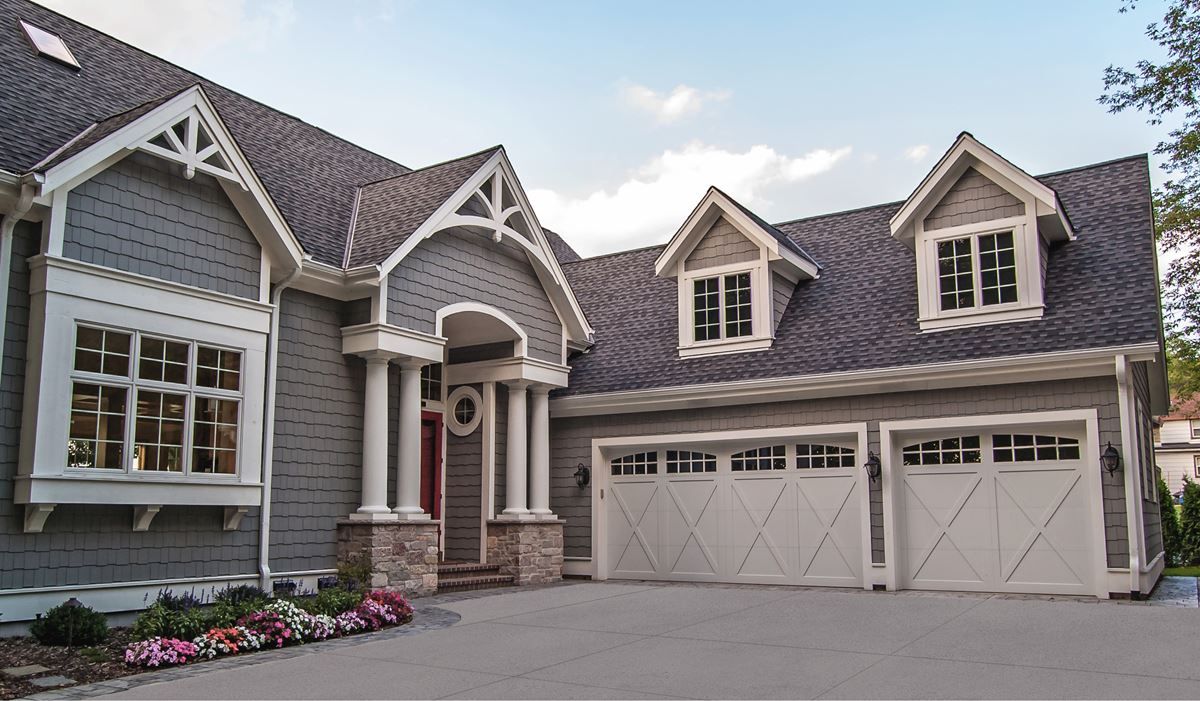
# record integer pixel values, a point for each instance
(374, 450)
(408, 479)
(539, 453)
(515, 465)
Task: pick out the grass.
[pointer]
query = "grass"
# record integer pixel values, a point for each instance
(1193, 571)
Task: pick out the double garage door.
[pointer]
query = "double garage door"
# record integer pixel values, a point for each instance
(972, 510)
(783, 512)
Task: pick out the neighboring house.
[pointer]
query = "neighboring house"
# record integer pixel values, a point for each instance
(240, 349)
(1177, 444)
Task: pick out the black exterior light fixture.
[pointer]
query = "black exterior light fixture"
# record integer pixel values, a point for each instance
(1110, 459)
(583, 476)
(73, 605)
(873, 466)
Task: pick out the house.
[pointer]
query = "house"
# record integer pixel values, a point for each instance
(239, 349)
(1177, 444)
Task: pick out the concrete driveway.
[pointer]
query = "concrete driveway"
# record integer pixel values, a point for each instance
(611, 640)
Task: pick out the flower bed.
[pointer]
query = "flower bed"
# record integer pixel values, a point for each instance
(278, 624)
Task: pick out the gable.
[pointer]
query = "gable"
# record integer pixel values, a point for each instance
(142, 216)
(722, 244)
(973, 199)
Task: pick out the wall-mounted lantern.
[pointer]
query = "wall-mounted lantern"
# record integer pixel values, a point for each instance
(583, 476)
(873, 466)
(1110, 459)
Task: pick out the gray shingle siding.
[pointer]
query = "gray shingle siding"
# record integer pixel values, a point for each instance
(463, 487)
(571, 439)
(721, 245)
(318, 434)
(141, 216)
(457, 266)
(96, 544)
(1151, 514)
(974, 198)
(502, 446)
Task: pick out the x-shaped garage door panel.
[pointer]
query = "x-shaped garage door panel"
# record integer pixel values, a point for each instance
(692, 528)
(828, 540)
(759, 529)
(945, 539)
(1040, 514)
(634, 522)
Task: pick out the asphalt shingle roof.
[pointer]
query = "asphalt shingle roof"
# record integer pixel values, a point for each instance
(862, 311)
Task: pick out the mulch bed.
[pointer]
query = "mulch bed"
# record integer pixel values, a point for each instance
(83, 664)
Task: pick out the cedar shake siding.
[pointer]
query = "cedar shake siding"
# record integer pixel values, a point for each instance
(722, 245)
(317, 467)
(973, 199)
(141, 216)
(570, 439)
(463, 487)
(458, 266)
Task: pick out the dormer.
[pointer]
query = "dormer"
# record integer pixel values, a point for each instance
(736, 274)
(981, 229)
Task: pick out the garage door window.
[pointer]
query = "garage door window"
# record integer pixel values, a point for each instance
(636, 464)
(1021, 447)
(768, 458)
(686, 461)
(945, 451)
(815, 456)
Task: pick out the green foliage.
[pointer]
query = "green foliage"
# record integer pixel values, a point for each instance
(163, 620)
(233, 603)
(1170, 525)
(241, 594)
(1183, 366)
(1189, 524)
(1170, 91)
(65, 625)
(331, 601)
(95, 654)
(354, 574)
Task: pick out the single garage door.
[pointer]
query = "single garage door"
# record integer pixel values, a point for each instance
(996, 511)
(781, 513)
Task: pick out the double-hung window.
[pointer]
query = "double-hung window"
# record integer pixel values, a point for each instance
(977, 271)
(142, 403)
(721, 307)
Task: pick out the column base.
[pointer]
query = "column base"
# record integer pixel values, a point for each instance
(371, 516)
(517, 516)
(412, 516)
(399, 555)
(530, 551)
(546, 515)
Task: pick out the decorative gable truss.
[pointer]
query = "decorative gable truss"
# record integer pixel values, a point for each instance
(491, 202)
(736, 275)
(981, 229)
(184, 129)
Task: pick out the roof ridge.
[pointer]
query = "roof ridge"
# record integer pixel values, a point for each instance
(1136, 156)
(201, 79)
(616, 253)
(498, 147)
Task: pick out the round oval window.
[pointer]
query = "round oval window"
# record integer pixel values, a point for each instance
(464, 411)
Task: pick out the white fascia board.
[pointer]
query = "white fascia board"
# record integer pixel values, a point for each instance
(133, 490)
(68, 173)
(333, 282)
(392, 342)
(966, 151)
(1007, 370)
(508, 370)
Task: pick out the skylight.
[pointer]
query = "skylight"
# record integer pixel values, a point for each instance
(48, 44)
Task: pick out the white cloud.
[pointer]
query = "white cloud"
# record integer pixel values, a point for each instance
(917, 153)
(666, 108)
(651, 205)
(180, 29)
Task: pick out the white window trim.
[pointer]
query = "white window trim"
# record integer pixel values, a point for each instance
(1027, 251)
(452, 423)
(762, 314)
(1194, 429)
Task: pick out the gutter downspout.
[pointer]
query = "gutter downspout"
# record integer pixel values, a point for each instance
(268, 449)
(19, 209)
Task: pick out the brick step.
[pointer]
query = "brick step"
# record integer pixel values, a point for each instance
(473, 582)
(455, 568)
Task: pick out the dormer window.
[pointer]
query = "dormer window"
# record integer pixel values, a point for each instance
(981, 229)
(722, 307)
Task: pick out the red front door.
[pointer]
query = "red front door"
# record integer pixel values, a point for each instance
(431, 464)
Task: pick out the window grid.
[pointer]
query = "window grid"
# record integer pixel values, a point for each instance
(1023, 447)
(946, 451)
(1196, 461)
(636, 464)
(686, 461)
(464, 411)
(818, 456)
(706, 301)
(145, 420)
(997, 269)
(737, 310)
(759, 459)
(722, 307)
(431, 383)
(956, 281)
(1195, 426)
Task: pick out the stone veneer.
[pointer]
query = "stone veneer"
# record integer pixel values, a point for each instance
(530, 551)
(402, 555)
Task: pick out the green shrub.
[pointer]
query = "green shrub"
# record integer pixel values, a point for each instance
(331, 601)
(224, 614)
(354, 574)
(241, 594)
(77, 626)
(162, 621)
(1189, 523)
(1170, 525)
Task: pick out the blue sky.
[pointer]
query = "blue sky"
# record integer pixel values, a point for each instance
(618, 114)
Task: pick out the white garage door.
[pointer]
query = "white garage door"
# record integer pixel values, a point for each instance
(781, 513)
(996, 511)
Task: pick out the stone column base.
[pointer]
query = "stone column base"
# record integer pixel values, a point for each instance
(530, 551)
(400, 555)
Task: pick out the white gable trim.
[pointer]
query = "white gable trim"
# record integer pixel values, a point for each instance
(461, 307)
(715, 204)
(498, 170)
(968, 152)
(193, 108)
